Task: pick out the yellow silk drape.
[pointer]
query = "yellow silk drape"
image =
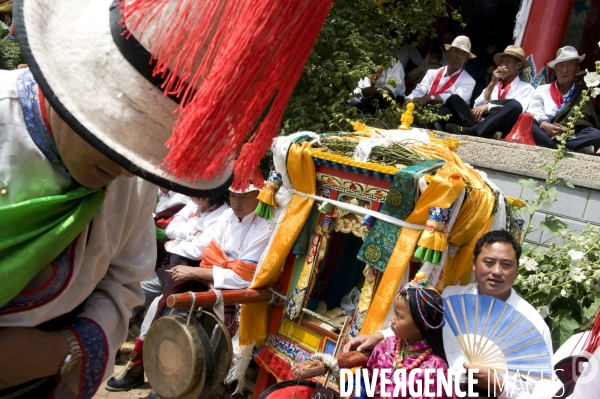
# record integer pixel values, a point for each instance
(474, 218)
(443, 190)
(301, 170)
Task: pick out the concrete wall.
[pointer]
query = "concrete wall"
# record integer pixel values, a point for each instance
(505, 163)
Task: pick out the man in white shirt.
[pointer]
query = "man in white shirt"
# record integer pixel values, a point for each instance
(495, 264)
(452, 80)
(500, 104)
(371, 98)
(240, 236)
(552, 105)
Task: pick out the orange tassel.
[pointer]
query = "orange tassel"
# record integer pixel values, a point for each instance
(240, 57)
(522, 131)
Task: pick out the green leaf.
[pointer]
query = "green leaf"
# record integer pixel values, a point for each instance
(529, 183)
(562, 182)
(553, 225)
(591, 311)
(563, 328)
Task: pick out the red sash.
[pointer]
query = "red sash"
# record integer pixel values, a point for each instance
(503, 88)
(557, 96)
(434, 87)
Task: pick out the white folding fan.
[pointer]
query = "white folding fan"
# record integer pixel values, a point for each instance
(494, 335)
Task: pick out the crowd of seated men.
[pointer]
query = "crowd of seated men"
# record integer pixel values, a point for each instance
(492, 112)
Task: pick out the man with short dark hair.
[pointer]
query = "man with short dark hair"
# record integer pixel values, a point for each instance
(500, 104)
(552, 105)
(495, 264)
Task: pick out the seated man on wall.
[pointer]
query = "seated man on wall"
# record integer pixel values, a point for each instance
(229, 252)
(371, 98)
(499, 106)
(439, 85)
(552, 105)
(495, 264)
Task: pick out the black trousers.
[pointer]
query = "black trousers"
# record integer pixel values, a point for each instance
(583, 138)
(501, 118)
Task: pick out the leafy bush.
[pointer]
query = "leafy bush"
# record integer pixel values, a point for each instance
(358, 38)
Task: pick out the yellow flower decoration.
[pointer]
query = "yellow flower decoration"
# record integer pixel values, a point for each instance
(515, 202)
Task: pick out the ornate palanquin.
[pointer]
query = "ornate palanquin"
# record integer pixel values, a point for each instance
(295, 334)
(370, 228)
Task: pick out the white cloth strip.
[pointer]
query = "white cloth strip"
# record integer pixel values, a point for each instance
(362, 211)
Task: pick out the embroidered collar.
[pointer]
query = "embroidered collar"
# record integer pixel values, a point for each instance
(30, 105)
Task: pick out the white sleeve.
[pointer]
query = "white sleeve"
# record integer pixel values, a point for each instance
(536, 106)
(109, 306)
(396, 72)
(524, 95)
(387, 333)
(480, 100)
(423, 87)
(225, 279)
(179, 227)
(191, 247)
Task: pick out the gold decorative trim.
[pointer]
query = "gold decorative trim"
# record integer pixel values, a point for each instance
(350, 225)
(360, 190)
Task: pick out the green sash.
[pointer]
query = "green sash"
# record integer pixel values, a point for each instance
(35, 232)
(400, 202)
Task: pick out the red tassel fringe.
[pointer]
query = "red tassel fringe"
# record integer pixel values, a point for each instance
(522, 131)
(593, 340)
(252, 54)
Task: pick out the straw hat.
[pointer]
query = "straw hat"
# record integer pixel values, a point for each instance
(462, 43)
(565, 54)
(513, 51)
(171, 89)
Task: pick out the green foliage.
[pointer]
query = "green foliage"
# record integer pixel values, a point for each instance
(358, 38)
(563, 280)
(10, 54)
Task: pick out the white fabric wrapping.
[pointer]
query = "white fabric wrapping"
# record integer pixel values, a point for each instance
(521, 21)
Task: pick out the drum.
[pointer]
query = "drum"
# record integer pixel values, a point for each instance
(179, 359)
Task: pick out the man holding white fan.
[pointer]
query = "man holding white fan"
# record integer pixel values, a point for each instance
(495, 265)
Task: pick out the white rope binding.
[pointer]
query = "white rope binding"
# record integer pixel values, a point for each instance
(219, 306)
(363, 211)
(193, 297)
(329, 361)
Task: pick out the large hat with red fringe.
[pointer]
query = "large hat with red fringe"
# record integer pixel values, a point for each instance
(172, 89)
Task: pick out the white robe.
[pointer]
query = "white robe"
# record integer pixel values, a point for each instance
(188, 221)
(245, 240)
(519, 90)
(463, 86)
(103, 268)
(542, 106)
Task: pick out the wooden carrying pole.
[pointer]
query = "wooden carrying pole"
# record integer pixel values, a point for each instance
(314, 368)
(230, 297)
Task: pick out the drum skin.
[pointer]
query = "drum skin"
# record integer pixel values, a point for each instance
(178, 358)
